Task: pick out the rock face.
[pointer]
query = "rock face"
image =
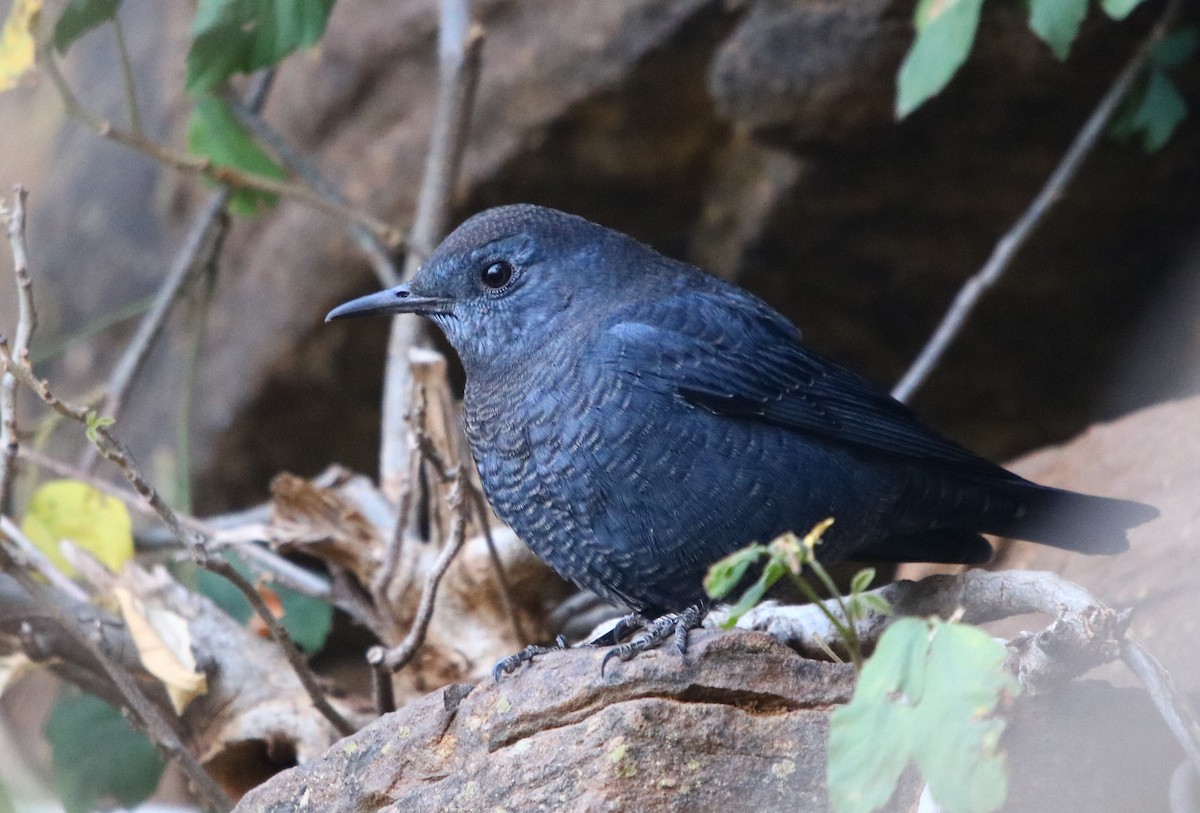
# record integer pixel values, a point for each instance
(740, 725)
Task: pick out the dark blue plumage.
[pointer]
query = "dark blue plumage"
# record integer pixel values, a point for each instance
(635, 419)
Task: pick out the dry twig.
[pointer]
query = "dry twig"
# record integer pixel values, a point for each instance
(396, 658)
(368, 242)
(459, 49)
(145, 712)
(1012, 241)
(26, 323)
(221, 174)
(197, 543)
(17, 564)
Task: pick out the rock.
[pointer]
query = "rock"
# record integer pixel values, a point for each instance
(740, 725)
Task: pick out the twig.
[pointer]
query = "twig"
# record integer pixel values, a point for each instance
(221, 174)
(193, 254)
(295, 657)
(459, 52)
(377, 253)
(145, 712)
(36, 560)
(26, 323)
(1170, 702)
(396, 658)
(199, 247)
(72, 472)
(197, 543)
(984, 596)
(194, 541)
(1008, 246)
(135, 115)
(381, 681)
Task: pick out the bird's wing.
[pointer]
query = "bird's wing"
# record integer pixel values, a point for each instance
(729, 353)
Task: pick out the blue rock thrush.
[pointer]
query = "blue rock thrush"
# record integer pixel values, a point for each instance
(635, 419)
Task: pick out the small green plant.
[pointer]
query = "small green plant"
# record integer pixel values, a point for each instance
(930, 695)
(789, 555)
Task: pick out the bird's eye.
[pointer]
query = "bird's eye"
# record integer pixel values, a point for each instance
(497, 274)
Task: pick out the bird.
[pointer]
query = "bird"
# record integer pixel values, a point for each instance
(635, 419)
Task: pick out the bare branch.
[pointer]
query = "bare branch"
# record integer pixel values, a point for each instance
(145, 712)
(35, 560)
(26, 324)
(460, 48)
(193, 255)
(1171, 703)
(221, 174)
(377, 253)
(396, 658)
(135, 115)
(1008, 246)
(195, 541)
(295, 657)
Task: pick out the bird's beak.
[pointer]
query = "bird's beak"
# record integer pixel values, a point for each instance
(394, 300)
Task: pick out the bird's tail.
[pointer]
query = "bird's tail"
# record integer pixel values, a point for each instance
(1068, 519)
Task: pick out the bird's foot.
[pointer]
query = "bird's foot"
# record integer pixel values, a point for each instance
(675, 625)
(506, 666)
(620, 630)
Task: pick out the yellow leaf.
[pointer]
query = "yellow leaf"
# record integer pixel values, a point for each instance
(78, 513)
(12, 667)
(17, 43)
(164, 645)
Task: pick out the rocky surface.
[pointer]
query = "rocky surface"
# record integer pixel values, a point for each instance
(739, 725)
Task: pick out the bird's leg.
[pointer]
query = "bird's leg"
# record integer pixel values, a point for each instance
(506, 666)
(628, 624)
(674, 624)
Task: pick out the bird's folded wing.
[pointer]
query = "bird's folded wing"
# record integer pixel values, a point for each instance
(740, 359)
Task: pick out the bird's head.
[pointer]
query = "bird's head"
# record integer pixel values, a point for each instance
(511, 279)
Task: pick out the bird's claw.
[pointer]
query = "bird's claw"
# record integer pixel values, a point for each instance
(675, 625)
(506, 666)
(618, 632)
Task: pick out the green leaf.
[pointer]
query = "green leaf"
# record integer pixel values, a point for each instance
(772, 572)
(78, 513)
(1057, 22)
(95, 423)
(724, 575)
(80, 17)
(929, 695)
(862, 580)
(1119, 9)
(945, 33)
(1175, 48)
(214, 132)
(239, 36)
(97, 755)
(876, 603)
(1152, 114)
(306, 619)
(6, 801)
